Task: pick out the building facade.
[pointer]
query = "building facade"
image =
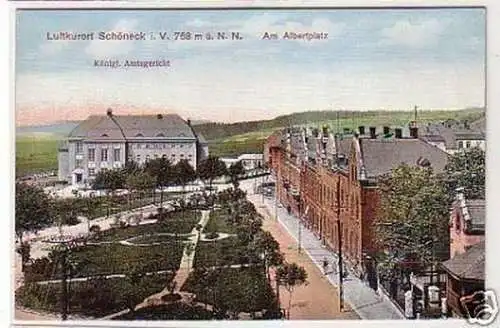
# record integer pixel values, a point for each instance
(109, 141)
(467, 223)
(321, 188)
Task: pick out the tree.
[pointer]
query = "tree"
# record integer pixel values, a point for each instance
(412, 222)
(264, 244)
(234, 171)
(210, 169)
(290, 276)
(184, 173)
(162, 171)
(109, 181)
(466, 169)
(140, 181)
(32, 210)
(24, 250)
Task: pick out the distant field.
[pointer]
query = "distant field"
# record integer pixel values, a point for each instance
(37, 152)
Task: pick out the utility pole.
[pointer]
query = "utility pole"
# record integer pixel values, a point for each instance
(64, 284)
(300, 228)
(415, 109)
(339, 235)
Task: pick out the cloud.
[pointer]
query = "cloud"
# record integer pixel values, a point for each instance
(414, 35)
(107, 48)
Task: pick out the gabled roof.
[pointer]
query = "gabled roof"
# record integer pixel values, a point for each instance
(477, 213)
(468, 265)
(380, 156)
(134, 126)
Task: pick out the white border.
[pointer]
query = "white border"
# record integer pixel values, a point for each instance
(7, 129)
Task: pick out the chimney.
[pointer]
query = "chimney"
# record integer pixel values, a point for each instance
(373, 132)
(386, 130)
(109, 112)
(399, 133)
(361, 130)
(414, 132)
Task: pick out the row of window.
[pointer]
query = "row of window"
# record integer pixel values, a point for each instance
(461, 144)
(79, 146)
(156, 156)
(104, 155)
(158, 146)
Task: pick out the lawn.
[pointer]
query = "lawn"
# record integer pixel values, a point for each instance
(239, 290)
(36, 153)
(174, 311)
(226, 251)
(218, 223)
(93, 298)
(173, 222)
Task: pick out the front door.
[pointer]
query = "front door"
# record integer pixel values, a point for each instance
(79, 177)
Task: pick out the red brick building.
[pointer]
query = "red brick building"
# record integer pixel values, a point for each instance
(466, 223)
(309, 183)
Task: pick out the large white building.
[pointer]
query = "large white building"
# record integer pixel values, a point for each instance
(106, 141)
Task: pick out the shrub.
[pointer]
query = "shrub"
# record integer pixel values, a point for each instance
(212, 235)
(95, 228)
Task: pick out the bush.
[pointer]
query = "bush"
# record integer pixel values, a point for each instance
(212, 235)
(169, 298)
(95, 228)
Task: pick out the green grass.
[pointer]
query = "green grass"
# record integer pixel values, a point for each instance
(36, 153)
(94, 298)
(244, 289)
(218, 223)
(227, 251)
(174, 311)
(177, 222)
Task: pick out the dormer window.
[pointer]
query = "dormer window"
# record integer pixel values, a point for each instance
(160, 135)
(104, 135)
(139, 135)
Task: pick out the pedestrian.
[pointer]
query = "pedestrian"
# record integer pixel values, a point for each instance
(325, 265)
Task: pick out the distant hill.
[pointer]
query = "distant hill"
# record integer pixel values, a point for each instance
(213, 131)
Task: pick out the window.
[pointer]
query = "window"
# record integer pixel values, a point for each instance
(91, 154)
(180, 146)
(139, 135)
(160, 135)
(138, 158)
(156, 156)
(467, 144)
(164, 156)
(172, 146)
(460, 144)
(147, 158)
(147, 146)
(104, 155)
(79, 147)
(182, 155)
(116, 155)
(78, 163)
(91, 172)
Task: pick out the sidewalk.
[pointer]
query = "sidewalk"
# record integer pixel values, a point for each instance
(362, 299)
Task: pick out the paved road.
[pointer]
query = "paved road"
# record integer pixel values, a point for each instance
(364, 300)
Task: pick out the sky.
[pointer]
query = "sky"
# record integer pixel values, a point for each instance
(372, 59)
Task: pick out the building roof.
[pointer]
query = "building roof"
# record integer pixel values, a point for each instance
(469, 135)
(468, 265)
(380, 156)
(343, 145)
(477, 213)
(133, 126)
(433, 138)
(251, 157)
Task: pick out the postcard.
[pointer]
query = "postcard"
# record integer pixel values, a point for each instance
(241, 164)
